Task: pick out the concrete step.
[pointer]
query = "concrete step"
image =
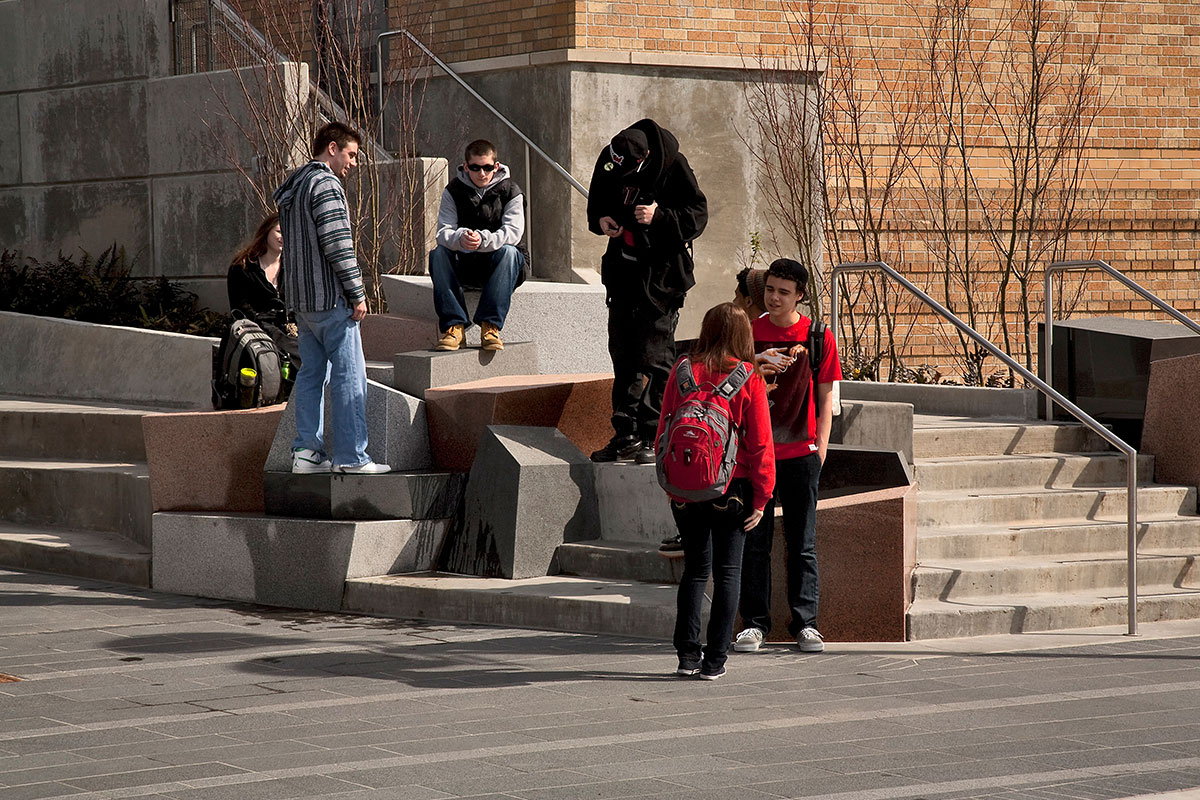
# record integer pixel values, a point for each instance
(931, 619)
(380, 372)
(601, 558)
(1096, 536)
(1046, 470)
(394, 495)
(556, 602)
(944, 509)
(33, 429)
(1002, 578)
(939, 437)
(82, 554)
(419, 370)
(110, 497)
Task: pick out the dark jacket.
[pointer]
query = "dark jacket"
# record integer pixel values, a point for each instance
(251, 293)
(654, 262)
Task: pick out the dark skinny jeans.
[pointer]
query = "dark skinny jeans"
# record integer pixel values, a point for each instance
(712, 538)
(796, 481)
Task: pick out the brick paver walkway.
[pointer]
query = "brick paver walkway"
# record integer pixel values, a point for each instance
(125, 693)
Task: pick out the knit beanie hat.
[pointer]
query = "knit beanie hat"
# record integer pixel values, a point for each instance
(753, 284)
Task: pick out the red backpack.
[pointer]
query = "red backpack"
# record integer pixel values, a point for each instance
(697, 451)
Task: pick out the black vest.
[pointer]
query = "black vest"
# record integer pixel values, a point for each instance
(486, 213)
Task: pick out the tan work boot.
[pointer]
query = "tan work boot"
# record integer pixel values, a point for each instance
(451, 339)
(489, 339)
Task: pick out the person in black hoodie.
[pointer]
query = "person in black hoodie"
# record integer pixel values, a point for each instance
(645, 198)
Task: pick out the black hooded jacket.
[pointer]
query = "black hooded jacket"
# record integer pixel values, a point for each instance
(657, 265)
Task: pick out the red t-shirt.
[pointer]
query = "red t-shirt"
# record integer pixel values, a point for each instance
(793, 407)
(755, 455)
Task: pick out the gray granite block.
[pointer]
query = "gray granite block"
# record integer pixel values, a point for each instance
(567, 321)
(285, 562)
(529, 490)
(632, 506)
(397, 433)
(419, 370)
(395, 495)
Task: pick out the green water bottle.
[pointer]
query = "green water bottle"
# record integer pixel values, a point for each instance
(247, 377)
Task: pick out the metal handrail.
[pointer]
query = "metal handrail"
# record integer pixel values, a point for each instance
(529, 143)
(1083, 266)
(1045, 388)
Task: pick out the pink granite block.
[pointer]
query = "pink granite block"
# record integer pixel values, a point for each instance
(384, 335)
(1170, 433)
(209, 461)
(866, 553)
(580, 406)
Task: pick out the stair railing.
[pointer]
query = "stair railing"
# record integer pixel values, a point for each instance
(1086, 266)
(1044, 387)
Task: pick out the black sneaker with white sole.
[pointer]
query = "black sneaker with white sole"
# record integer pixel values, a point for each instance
(619, 448)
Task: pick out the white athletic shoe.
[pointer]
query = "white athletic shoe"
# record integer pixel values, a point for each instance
(369, 468)
(748, 641)
(810, 641)
(305, 461)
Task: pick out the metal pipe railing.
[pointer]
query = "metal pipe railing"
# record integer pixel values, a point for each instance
(446, 68)
(1044, 387)
(1047, 369)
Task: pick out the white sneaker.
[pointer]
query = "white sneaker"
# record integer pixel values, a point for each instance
(748, 641)
(305, 461)
(810, 641)
(369, 468)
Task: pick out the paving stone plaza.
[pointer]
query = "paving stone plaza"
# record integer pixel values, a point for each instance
(116, 692)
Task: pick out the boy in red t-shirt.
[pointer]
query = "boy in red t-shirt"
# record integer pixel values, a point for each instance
(800, 423)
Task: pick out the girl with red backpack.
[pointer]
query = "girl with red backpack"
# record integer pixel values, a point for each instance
(722, 410)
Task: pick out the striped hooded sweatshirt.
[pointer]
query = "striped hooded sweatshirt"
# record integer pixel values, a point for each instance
(318, 245)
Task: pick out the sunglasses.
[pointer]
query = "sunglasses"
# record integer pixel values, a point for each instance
(481, 167)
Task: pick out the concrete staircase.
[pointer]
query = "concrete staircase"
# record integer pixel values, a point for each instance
(1021, 527)
(74, 491)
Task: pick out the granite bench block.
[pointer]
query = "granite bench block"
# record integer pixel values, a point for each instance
(285, 562)
(397, 433)
(529, 491)
(420, 370)
(632, 506)
(384, 335)
(578, 405)
(567, 321)
(234, 444)
(395, 495)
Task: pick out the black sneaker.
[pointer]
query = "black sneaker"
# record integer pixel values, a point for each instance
(673, 544)
(710, 674)
(687, 669)
(645, 455)
(619, 448)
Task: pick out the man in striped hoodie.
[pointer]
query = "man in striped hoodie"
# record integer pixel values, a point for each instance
(323, 285)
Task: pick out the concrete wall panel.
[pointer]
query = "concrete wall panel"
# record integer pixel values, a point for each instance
(190, 118)
(91, 216)
(14, 69)
(84, 41)
(89, 133)
(199, 221)
(10, 140)
(14, 219)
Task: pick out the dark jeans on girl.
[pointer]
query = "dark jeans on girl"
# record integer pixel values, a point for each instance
(712, 542)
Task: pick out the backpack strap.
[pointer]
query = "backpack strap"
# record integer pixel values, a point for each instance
(733, 382)
(684, 377)
(816, 349)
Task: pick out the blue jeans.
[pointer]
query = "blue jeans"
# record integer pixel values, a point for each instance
(331, 354)
(498, 273)
(712, 538)
(796, 481)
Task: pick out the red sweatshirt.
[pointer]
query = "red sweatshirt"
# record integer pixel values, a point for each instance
(756, 453)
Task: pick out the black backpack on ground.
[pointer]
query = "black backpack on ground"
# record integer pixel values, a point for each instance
(247, 345)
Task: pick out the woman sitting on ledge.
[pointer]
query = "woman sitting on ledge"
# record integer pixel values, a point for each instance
(254, 287)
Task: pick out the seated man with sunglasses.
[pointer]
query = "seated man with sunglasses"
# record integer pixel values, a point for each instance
(479, 228)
